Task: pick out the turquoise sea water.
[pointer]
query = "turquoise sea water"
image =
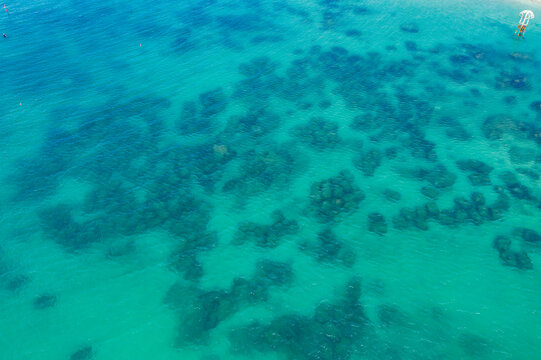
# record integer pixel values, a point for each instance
(269, 179)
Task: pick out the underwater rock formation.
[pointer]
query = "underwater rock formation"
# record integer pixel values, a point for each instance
(262, 169)
(521, 155)
(480, 172)
(458, 132)
(266, 235)
(410, 27)
(59, 224)
(536, 107)
(260, 82)
(460, 60)
(529, 236)
(496, 126)
(529, 173)
(247, 22)
(38, 176)
(391, 195)
(334, 196)
(521, 56)
(335, 331)
(254, 123)
(84, 353)
(139, 177)
(438, 176)
(258, 67)
(377, 223)
(368, 161)
(329, 245)
(390, 315)
(329, 248)
(319, 133)
(418, 145)
(183, 42)
(209, 161)
(474, 210)
(354, 33)
(365, 122)
(16, 282)
(417, 217)
(201, 311)
(44, 301)
(512, 257)
(473, 345)
(184, 259)
(515, 188)
(273, 273)
(430, 192)
(300, 86)
(112, 209)
(211, 308)
(510, 100)
(198, 117)
(410, 45)
(212, 102)
(516, 81)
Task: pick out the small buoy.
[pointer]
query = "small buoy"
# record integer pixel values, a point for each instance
(139, 44)
(525, 17)
(20, 104)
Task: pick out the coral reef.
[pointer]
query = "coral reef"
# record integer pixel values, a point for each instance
(530, 237)
(262, 169)
(479, 171)
(84, 353)
(334, 331)
(16, 282)
(369, 161)
(44, 301)
(183, 42)
(516, 81)
(329, 248)
(512, 257)
(410, 27)
(536, 107)
(334, 196)
(515, 188)
(390, 315)
(521, 155)
(242, 143)
(430, 192)
(198, 117)
(391, 195)
(201, 311)
(184, 259)
(496, 126)
(266, 235)
(319, 133)
(260, 82)
(474, 210)
(365, 122)
(254, 124)
(58, 222)
(377, 223)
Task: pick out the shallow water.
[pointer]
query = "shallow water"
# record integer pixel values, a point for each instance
(274, 180)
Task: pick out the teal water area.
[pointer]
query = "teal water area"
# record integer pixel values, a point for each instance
(269, 179)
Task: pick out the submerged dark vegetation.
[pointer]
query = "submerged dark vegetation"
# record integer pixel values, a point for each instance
(141, 182)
